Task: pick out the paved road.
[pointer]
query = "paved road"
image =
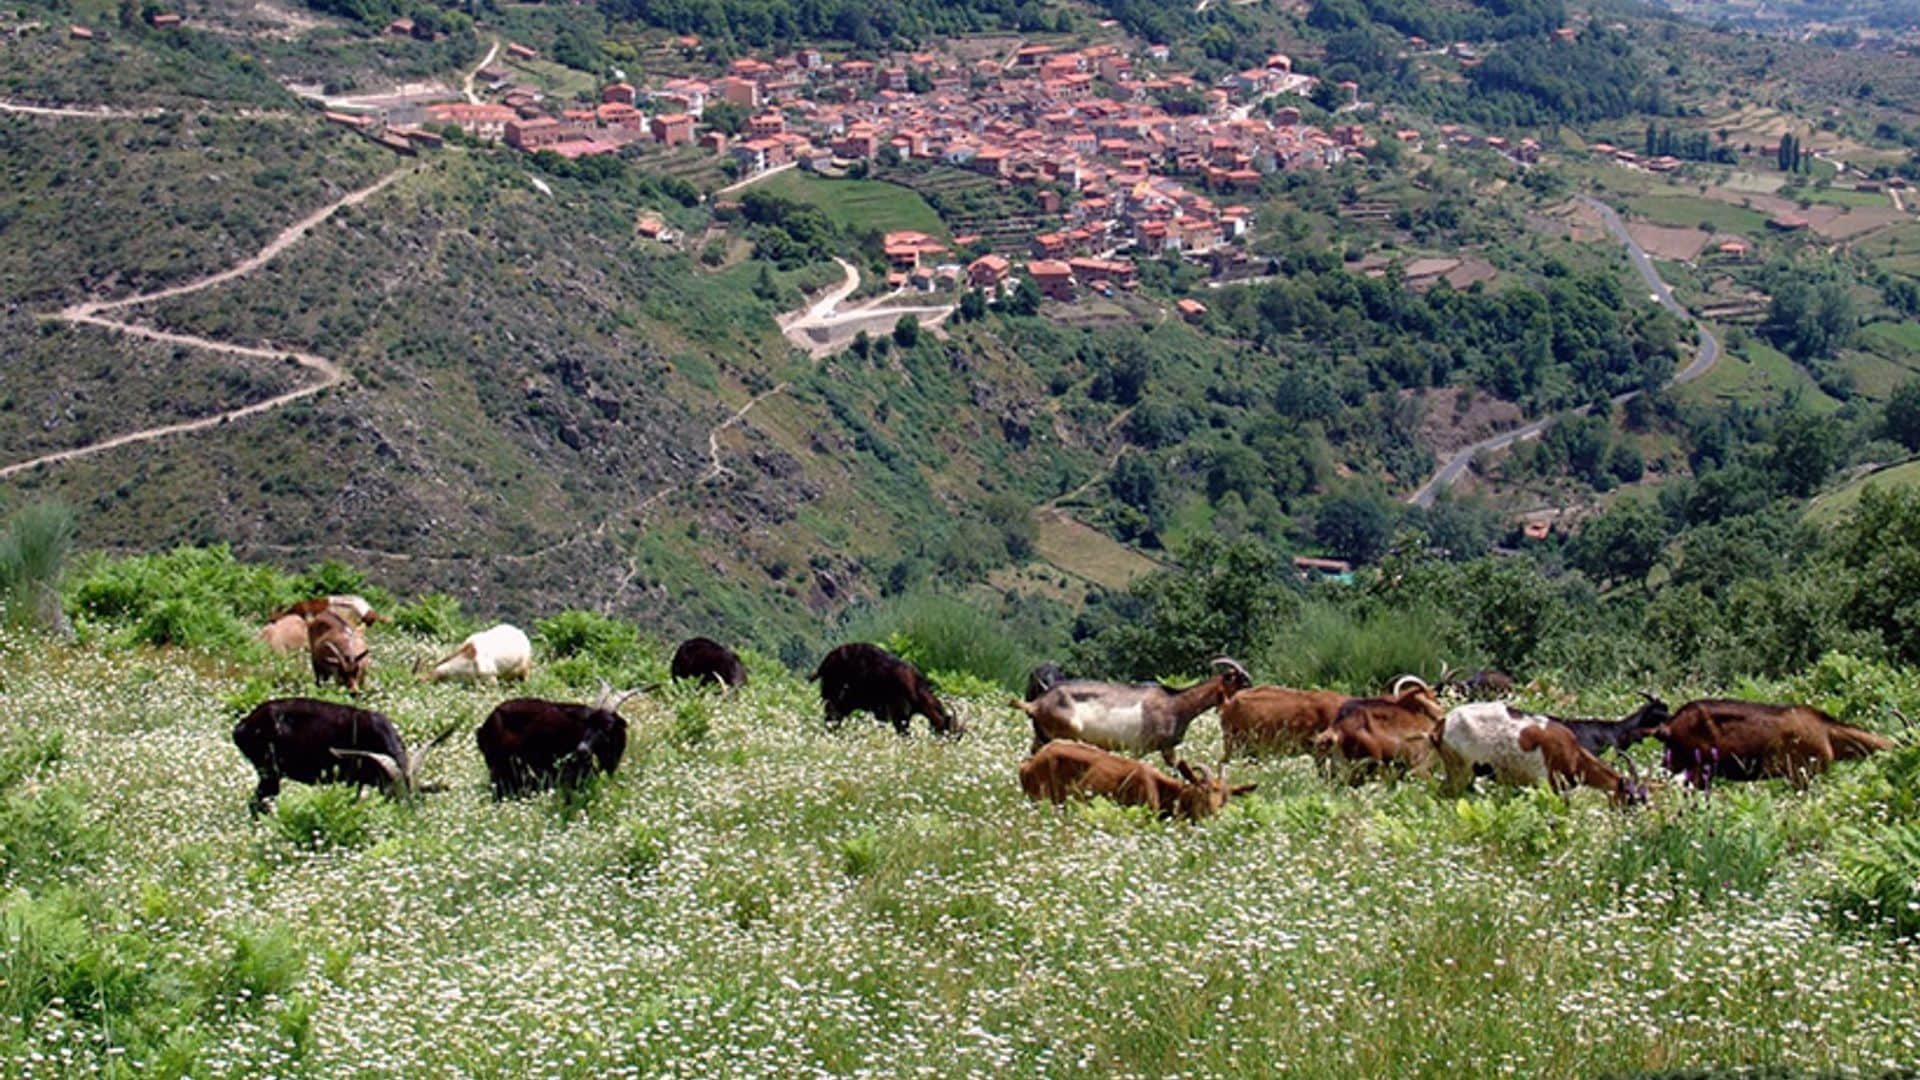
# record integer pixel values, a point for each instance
(1705, 356)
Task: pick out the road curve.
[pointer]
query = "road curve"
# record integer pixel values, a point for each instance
(1705, 356)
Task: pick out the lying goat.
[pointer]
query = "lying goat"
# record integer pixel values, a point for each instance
(1520, 750)
(502, 652)
(1063, 770)
(1137, 719)
(317, 742)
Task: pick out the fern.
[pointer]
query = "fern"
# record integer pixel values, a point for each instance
(1879, 876)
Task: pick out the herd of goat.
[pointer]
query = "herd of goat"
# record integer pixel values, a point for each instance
(1088, 736)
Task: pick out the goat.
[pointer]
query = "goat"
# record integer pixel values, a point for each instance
(338, 650)
(286, 634)
(1061, 770)
(502, 652)
(705, 658)
(354, 609)
(1570, 765)
(530, 744)
(1042, 679)
(1486, 684)
(1275, 718)
(1598, 736)
(1136, 719)
(317, 742)
(858, 677)
(1715, 739)
(1522, 750)
(1399, 728)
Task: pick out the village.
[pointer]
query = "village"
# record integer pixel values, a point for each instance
(1126, 159)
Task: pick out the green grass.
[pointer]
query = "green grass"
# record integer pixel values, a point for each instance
(1894, 338)
(1839, 197)
(859, 205)
(1759, 374)
(756, 895)
(1688, 211)
(1834, 505)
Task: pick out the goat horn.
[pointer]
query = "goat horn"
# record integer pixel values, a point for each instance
(620, 700)
(1233, 665)
(386, 763)
(1400, 683)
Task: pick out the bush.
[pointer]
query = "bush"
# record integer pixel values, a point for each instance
(941, 634)
(434, 615)
(33, 557)
(194, 596)
(1879, 877)
(584, 647)
(1361, 653)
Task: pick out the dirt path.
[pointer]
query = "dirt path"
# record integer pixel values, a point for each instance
(72, 113)
(823, 327)
(755, 178)
(466, 84)
(90, 313)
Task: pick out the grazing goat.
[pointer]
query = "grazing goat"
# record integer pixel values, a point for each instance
(1598, 736)
(1137, 719)
(1042, 679)
(317, 742)
(1570, 765)
(354, 609)
(1398, 728)
(502, 652)
(530, 744)
(1714, 739)
(1276, 719)
(1486, 684)
(338, 650)
(1062, 770)
(286, 634)
(707, 659)
(858, 677)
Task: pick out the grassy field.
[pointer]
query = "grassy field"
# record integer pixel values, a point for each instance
(1692, 210)
(1833, 505)
(751, 895)
(1759, 373)
(859, 204)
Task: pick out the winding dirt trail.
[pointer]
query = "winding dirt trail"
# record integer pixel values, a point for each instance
(71, 113)
(466, 84)
(92, 313)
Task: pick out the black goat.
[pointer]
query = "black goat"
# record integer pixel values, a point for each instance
(1042, 679)
(530, 743)
(705, 658)
(859, 677)
(317, 742)
(1598, 736)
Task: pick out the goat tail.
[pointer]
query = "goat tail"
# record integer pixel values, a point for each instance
(814, 675)
(1852, 742)
(1023, 706)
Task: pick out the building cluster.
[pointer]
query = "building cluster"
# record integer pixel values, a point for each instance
(1121, 158)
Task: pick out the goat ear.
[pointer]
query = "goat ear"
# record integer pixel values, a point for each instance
(1186, 772)
(1242, 789)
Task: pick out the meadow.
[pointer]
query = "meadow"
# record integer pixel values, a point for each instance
(751, 895)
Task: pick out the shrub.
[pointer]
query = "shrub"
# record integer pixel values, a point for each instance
(1879, 876)
(1361, 653)
(434, 615)
(939, 633)
(33, 557)
(193, 596)
(584, 647)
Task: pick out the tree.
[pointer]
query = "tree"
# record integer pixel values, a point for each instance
(725, 116)
(1224, 597)
(973, 305)
(1621, 545)
(1806, 449)
(1901, 419)
(906, 332)
(1878, 546)
(1355, 524)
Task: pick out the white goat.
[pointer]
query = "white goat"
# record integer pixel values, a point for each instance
(502, 652)
(1488, 733)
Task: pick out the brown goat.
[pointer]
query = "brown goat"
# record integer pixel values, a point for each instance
(354, 609)
(1276, 719)
(286, 634)
(1396, 729)
(1716, 739)
(1061, 770)
(338, 650)
(1570, 765)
